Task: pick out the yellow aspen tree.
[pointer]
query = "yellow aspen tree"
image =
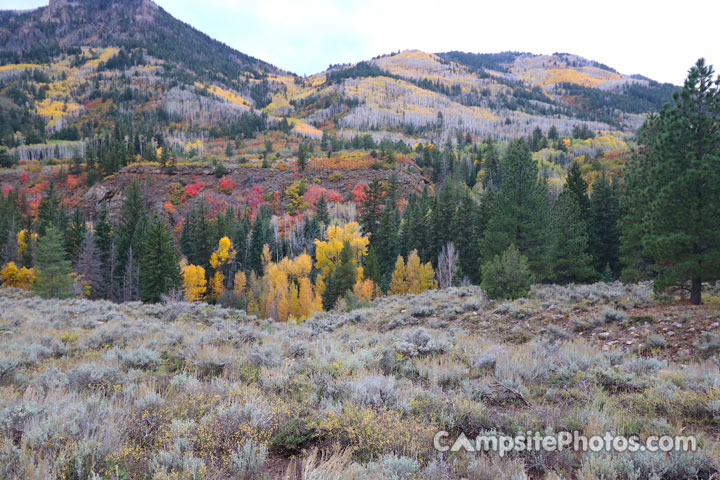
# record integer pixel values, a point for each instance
(194, 282)
(327, 252)
(294, 303)
(216, 284)
(305, 298)
(364, 289)
(418, 277)
(398, 282)
(239, 283)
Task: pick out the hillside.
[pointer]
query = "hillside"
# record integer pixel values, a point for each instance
(179, 390)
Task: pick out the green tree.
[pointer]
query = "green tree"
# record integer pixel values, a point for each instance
(131, 225)
(520, 212)
(570, 259)
(576, 184)
(75, 235)
(322, 213)
(159, 265)
(53, 268)
(370, 207)
(372, 267)
(507, 276)
(604, 233)
(342, 278)
(302, 156)
(6, 160)
(682, 226)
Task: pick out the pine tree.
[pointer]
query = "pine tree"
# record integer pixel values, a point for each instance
(682, 225)
(370, 208)
(520, 212)
(48, 211)
(576, 184)
(322, 212)
(131, 225)
(302, 156)
(342, 279)
(465, 238)
(104, 242)
(75, 235)
(372, 267)
(604, 233)
(569, 256)
(159, 266)
(634, 199)
(442, 215)
(385, 242)
(493, 173)
(53, 269)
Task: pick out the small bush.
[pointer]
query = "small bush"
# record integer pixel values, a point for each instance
(655, 341)
(507, 277)
(292, 436)
(247, 460)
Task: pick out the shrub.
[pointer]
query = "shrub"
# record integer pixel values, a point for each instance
(655, 341)
(291, 436)
(247, 460)
(507, 277)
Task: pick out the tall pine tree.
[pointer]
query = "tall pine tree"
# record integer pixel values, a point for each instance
(520, 212)
(159, 264)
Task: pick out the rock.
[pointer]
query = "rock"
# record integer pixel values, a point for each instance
(714, 325)
(629, 342)
(604, 334)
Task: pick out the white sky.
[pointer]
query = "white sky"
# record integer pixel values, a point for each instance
(659, 39)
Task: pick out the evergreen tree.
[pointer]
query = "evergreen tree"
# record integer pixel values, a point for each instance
(520, 212)
(635, 198)
(53, 269)
(322, 213)
(131, 225)
(370, 208)
(75, 235)
(159, 265)
(569, 256)
(604, 233)
(342, 279)
(682, 225)
(385, 242)
(442, 215)
(48, 211)
(465, 237)
(491, 165)
(372, 267)
(576, 184)
(104, 243)
(302, 156)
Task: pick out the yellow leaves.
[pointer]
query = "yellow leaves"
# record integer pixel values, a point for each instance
(412, 278)
(216, 284)
(15, 277)
(364, 289)
(22, 241)
(225, 94)
(194, 282)
(327, 253)
(239, 283)
(224, 254)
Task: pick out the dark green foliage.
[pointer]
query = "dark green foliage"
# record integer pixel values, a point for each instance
(370, 207)
(6, 160)
(360, 70)
(75, 235)
(520, 212)
(634, 98)
(342, 278)
(576, 184)
(604, 233)
(507, 276)
(372, 267)
(131, 225)
(291, 436)
(302, 156)
(681, 227)
(385, 243)
(260, 235)
(491, 165)
(466, 232)
(48, 211)
(52, 267)
(198, 240)
(569, 256)
(159, 263)
(321, 210)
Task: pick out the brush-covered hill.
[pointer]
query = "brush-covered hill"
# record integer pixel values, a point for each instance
(103, 84)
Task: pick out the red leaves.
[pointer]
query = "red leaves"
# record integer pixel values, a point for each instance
(193, 189)
(227, 185)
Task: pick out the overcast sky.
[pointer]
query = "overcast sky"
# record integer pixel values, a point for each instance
(655, 38)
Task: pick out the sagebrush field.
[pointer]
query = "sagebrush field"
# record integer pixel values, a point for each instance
(178, 390)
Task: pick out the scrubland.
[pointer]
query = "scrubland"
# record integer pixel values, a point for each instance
(92, 389)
